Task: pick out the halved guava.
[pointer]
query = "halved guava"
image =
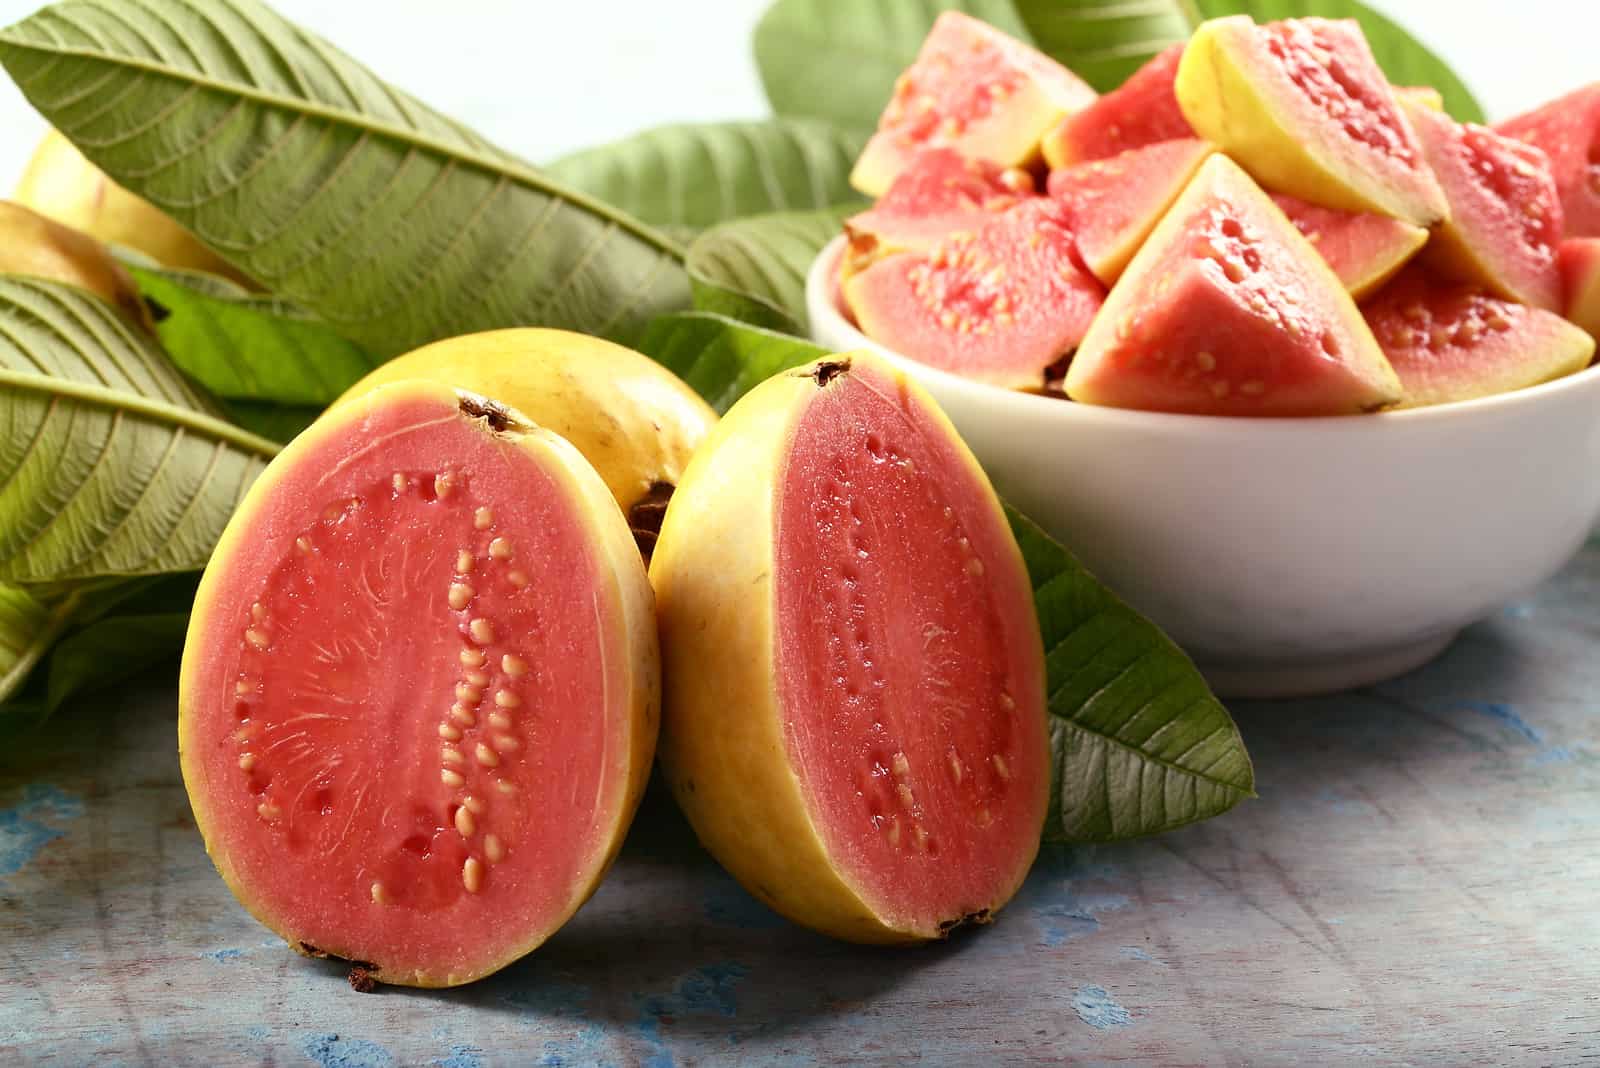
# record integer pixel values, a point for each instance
(1228, 310)
(1116, 202)
(1567, 130)
(419, 691)
(999, 305)
(1302, 106)
(1453, 341)
(1505, 215)
(1580, 282)
(939, 193)
(1141, 111)
(974, 89)
(855, 704)
(1365, 250)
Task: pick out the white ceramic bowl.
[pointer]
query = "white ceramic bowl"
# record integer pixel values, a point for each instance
(1290, 556)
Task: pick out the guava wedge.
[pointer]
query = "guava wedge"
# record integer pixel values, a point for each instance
(855, 706)
(634, 421)
(1567, 131)
(998, 306)
(1365, 250)
(1302, 106)
(419, 693)
(32, 244)
(1229, 310)
(1141, 111)
(1505, 214)
(1580, 282)
(974, 89)
(1454, 341)
(1116, 202)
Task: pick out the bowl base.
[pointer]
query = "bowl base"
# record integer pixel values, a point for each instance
(1314, 678)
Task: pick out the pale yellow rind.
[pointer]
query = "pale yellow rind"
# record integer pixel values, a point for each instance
(1366, 285)
(628, 591)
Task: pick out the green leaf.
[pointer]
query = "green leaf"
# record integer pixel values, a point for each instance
(1139, 743)
(110, 651)
(111, 462)
(26, 629)
(755, 269)
(693, 176)
(395, 224)
(720, 358)
(838, 59)
(1104, 42)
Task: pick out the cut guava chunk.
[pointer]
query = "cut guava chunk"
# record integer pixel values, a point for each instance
(974, 89)
(417, 705)
(1567, 131)
(1454, 341)
(1141, 111)
(1365, 250)
(1302, 106)
(1580, 282)
(1505, 215)
(1229, 310)
(1116, 202)
(855, 714)
(998, 306)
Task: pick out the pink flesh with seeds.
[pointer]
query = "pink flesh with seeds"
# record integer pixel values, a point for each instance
(337, 685)
(1141, 111)
(1568, 131)
(1364, 249)
(909, 665)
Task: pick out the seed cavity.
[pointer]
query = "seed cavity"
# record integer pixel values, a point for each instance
(468, 694)
(505, 786)
(514, 666)
(1001, 768)
(463, 715)
(443, 483)
(268, 811)
(449, 731)
(958, 770)
(1007, 703)
(303, 543)
(902, 766)
(475, 805)
(479, 679)
(472, 875)
(460, 595)
(451, 755)
(482, 631)
(499, 720)
(463, 561)
(486, 756)
(493, 849)
(506, 699)
(399, 482)
(258, 611)
(472, 658)
(451, 778)
(465, 823)
(518, 579)
(500, 549)
(483, 518)
(247, 761)
(907, 798)
(257, 639)
(974, 567)
(242, 687)
(505, 743)
(380, 896)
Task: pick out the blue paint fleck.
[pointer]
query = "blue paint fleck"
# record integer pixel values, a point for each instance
(727, 904)
(1135, 953)
(1096, 1007)
(257, 1033)
(1507, 715)
(331, 1051)
(461, 1057)
(32, 824)
(707, 991)
(1556, 754)
(555, 997)
(224, 954)
(1051, 895)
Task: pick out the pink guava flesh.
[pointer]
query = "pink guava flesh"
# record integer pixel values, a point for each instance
(1141, 111)
(910, 672)
(360, 701)
(941, 192)
(1568, 131)
(1580, 282)
(1364, 249)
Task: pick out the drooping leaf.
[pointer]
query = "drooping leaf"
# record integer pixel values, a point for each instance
(110, 651)
(720, 358)
(111, 462)
(691, 176)
(755, 269)
(1139, 743)
(26, 629)
(395, 224)
(1104, 42)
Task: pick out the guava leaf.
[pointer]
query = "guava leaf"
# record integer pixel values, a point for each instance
(109, 651)
(694, 175)
(111, 462)
(27, 627)
(395, 224)
(755, 269)
(1101, 42)
(722, 359)
(1140, 744)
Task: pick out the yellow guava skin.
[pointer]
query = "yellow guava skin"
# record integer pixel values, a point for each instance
(34, 245)
(631, 592)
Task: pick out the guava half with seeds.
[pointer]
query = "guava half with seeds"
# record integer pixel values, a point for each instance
(855, 701)
(1580, 282)
(1229, 310)
(1302, 106)
(32, 244)
(998, 306)
(420, 688)
(974, 89)
(1567, 131)
(1116, 202)
(634, 421)
(1505, 214)
(1454, 341)
(1141, 111)
(1364, 249)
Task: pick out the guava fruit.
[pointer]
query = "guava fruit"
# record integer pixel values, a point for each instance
(419, 693)
(32, 244)
(1505, 215)
(855, 705)
(1302, 106)
(61, 184)
(1141, 111)
(1453, 341)
(1116, 202)
(974, 89)
(1365, 250)
(999, 305)
(1228, 310)
(636, 422)
(1579, 260)
(940, 192)
(1567, 131)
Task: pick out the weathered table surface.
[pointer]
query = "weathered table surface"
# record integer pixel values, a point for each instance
(1418, 883)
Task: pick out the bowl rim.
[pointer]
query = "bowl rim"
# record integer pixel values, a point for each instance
(820, 306)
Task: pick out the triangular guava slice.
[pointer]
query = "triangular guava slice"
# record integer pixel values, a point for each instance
(1302, 106)
(1365, 250)
(1568, 131)
(1228, 310)
(1580, 282)
(1141, 111)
